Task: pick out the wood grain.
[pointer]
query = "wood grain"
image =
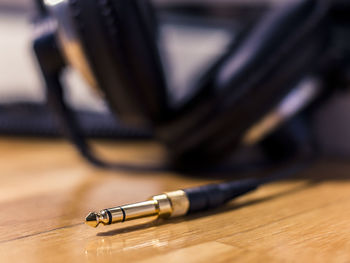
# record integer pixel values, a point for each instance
(46, 190)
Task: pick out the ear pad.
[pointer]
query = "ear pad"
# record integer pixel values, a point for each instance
(248, 83)
(119, 39)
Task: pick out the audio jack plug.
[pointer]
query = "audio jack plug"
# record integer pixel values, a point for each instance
(175, 204)
(187, 201)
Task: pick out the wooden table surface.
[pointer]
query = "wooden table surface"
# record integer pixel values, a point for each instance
(46, 190)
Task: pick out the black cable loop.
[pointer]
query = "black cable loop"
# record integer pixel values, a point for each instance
(52, 63)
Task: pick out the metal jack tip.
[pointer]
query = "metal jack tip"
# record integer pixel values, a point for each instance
(172, 204)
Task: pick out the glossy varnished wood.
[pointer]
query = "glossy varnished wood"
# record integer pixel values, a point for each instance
(46, 190)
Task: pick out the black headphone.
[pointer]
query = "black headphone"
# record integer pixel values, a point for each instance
(113, 43)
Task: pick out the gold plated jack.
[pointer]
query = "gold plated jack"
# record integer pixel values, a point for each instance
(172, 204)
(184, 202)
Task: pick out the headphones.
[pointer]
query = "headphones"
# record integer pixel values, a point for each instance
(260, 82)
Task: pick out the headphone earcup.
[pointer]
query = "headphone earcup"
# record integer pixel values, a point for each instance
(119, 40)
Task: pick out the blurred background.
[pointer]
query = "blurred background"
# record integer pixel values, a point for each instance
(191, 39)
